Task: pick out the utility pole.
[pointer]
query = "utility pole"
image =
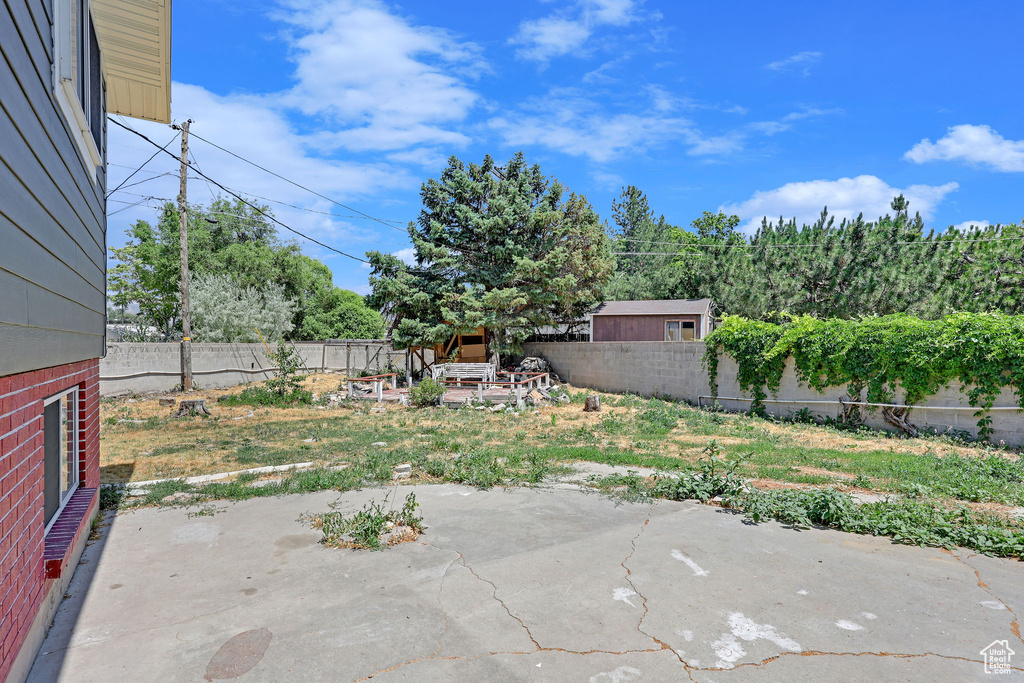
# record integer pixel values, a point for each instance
(186, 315)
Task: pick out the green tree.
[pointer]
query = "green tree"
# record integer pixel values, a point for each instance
(223, 311)
(340, 314)
(502, 247)
(226, 237)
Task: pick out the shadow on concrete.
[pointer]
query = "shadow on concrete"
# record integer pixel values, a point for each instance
(50, 659)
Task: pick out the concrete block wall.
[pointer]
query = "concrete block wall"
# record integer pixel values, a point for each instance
(676, 369)
(129, 358)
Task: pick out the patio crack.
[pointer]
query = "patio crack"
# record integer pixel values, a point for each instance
(436, 656)
(1015, 621)
(662, 645)
(820, 653)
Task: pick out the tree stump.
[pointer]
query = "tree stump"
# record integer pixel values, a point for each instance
(189, 408)
(593, 404)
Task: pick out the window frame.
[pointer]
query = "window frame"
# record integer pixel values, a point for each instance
(78, 113)
(681, 326)
(75, 427)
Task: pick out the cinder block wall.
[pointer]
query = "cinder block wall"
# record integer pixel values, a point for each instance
(129, 358)
(676, 369)
(27, 597)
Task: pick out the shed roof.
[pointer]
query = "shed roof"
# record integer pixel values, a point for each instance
(662, 307)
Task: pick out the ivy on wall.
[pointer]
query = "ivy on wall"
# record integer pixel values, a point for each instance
(982, 351)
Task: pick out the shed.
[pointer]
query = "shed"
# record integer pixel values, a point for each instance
(663, 320)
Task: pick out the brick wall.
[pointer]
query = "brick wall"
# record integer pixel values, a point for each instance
(676, 369)
(23, 584)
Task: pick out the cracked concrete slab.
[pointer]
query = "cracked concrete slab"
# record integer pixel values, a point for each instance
(523, 584)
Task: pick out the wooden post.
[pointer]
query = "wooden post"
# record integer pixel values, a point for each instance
(519, 392)
(186, 315)
(349, 383)
(380, 390)
(408, 367)
(480, 392)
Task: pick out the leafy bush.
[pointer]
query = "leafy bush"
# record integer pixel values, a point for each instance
(982, 351)
(427, 393)
(715, 476)
(284, 389)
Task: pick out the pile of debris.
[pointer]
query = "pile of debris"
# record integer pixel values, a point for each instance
(537, 364)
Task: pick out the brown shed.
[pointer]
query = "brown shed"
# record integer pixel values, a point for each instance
(665, 320)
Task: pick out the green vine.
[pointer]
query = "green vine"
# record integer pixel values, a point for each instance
(984, 352)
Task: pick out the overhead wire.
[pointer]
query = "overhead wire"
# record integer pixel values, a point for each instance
(240, 198)
(292, 182)
(940, 241)
(162, 149)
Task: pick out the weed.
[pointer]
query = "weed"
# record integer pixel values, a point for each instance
(367, 527)
(906, 521)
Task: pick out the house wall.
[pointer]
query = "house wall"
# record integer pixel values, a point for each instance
(52, 213)
(622, 328)
(676, 370)
(148, 367)
(33, 567)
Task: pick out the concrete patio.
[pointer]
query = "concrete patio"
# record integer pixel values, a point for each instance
(549, 584)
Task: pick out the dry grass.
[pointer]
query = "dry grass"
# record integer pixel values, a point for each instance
(140, 440)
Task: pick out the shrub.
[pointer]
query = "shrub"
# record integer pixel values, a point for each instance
(427, 393)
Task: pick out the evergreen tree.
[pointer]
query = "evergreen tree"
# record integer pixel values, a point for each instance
(502, 247)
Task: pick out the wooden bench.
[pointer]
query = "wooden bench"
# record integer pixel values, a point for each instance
(483, 372)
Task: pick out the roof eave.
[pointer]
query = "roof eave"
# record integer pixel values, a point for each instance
(135, 42)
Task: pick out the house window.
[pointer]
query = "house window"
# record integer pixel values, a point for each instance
(61, 457)
(78, 79)
(679, 330)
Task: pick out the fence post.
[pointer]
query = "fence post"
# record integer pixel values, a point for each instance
(380, 390)
(480, 392)
(519, 393)
(349, 383)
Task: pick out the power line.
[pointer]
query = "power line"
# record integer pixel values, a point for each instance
(162, 149)
(144, 180)
(938, 241)
(303, 187)
(242, 199)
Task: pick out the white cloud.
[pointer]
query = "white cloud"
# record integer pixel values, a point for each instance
(247, 126)
(390, 83)
(967, 225)
(973, 144)
(567, 30)
(801, 62)
(570, 121)
(845, 198)
(407, 256)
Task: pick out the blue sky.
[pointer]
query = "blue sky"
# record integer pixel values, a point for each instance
(749, 107)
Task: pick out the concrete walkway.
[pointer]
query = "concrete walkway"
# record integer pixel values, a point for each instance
(525, 584)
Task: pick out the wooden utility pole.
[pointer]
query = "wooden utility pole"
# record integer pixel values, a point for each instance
(186, 314)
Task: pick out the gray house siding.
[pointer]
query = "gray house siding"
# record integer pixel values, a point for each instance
(52, 213)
